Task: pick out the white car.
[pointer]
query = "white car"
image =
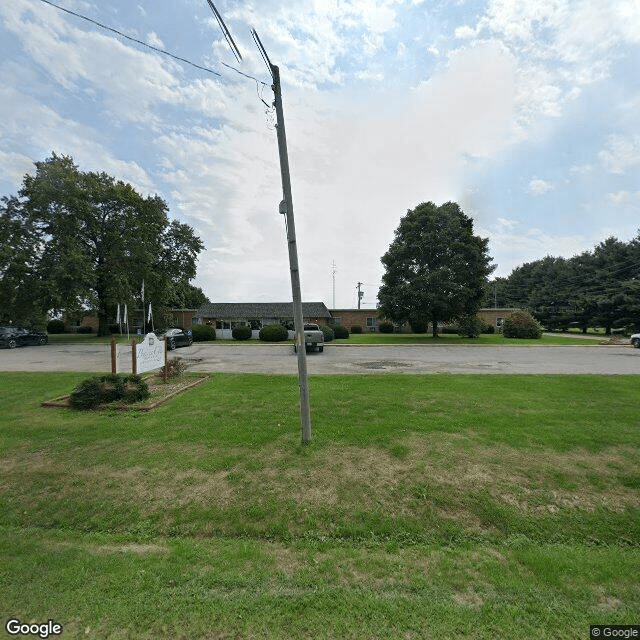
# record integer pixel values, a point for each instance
(635, 340)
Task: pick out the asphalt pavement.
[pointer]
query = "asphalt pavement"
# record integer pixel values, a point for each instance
(344, 359)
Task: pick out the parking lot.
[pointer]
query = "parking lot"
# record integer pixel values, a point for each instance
(343, 359)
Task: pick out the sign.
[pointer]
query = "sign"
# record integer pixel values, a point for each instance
(150, 353)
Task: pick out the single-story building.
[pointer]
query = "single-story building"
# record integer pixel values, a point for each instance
(224, 316)
(369, 319)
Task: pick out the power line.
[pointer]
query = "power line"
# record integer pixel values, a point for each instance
(157, 50)
(144, 44)
(226, 32)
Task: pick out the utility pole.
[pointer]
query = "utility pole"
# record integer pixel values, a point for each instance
(360, 293)
(333, 271)
(305, 412)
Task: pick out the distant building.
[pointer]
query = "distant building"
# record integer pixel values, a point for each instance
(224, 316)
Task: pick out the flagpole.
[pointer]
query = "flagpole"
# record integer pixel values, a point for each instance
(144, 322)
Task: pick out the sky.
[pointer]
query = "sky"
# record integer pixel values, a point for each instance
(524, 112)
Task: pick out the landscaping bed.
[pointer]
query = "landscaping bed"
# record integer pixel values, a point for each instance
(160, 392)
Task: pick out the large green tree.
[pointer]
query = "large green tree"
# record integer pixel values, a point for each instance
(88, 242)
(596, 288)
(436, 268)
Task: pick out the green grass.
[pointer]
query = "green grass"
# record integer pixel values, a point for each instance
(452, 339)
(368, 338)
(426, 506)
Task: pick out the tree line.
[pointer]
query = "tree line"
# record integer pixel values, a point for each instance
(598, 288)
(73, 242)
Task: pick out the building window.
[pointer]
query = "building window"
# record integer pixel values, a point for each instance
(335, 320)
(372, 324)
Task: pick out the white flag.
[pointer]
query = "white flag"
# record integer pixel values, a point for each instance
(124, 320)
(118, 316)
(150, 314)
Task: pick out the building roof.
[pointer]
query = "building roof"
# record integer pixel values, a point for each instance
(220, 310)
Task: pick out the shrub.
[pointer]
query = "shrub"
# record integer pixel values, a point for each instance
(55, 326)
(274, 333)
(241, 333)
(521, 325)
(452, 328)
(385, 327)
(356, 328)
(135, 389)
(106, 389)
(418, 326)
(85, 329)
(339, 331)
(175, 367)
(470, 327)
(203, 332)
(327, 332)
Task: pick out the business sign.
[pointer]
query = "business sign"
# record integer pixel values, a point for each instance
(150, 353)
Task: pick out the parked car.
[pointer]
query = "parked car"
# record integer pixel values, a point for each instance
(12, 337)
(635, 340)
(175, 338)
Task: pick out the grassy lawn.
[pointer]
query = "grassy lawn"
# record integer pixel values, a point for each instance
(452, 339)
(440, 506)
(370, 338)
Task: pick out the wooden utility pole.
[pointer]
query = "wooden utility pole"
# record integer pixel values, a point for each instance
(360, 293)
(305, 412)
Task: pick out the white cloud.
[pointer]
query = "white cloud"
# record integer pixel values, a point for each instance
(620, 154)
(154, 40)
(624, 198)
(539, 187)
(560, 46)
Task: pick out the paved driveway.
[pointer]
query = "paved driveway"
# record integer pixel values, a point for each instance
(344, 359)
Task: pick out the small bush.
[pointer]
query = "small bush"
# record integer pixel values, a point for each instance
(449, 329)
(135, 389)
(203, 332)
(175, 367)
(488, 328)
(339, 331)
(107, 389)
(274, 333)
(521, 325)
(418, 326)
(356, 328)
(327, 332)
(470, 327)
(385, 327)
(85, 329)
(241, 333)
(55, 326)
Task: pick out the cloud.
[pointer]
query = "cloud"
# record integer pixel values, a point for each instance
(154, 40)
(560, 47)
(538, 187)
(624, 198)
(620, 153)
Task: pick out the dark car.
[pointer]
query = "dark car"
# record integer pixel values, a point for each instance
(176, 338)
(12, 337)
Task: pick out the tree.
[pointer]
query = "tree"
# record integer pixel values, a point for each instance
(91, 241)
(436, 268)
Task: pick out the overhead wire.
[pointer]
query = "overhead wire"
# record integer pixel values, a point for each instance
(156, 49)
(226, 32)
(124, 35)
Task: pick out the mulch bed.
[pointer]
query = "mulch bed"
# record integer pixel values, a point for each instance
(161, 392)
